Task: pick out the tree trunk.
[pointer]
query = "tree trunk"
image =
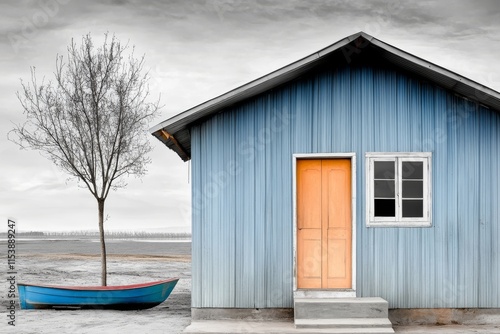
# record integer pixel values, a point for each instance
(100, 203)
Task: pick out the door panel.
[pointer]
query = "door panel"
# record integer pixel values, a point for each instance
(324, 224)
(309, 208)
(337, 255)
(337, 208)
(310, 258)
(309, 238)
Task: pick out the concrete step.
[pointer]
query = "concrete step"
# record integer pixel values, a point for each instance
(344, 323)
(339, 308)
(270, 327)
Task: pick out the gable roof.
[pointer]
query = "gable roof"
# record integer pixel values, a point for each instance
(174, 132)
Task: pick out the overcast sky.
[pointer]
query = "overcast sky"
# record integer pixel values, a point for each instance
(196, 50)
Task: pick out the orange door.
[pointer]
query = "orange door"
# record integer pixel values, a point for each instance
(324, 224)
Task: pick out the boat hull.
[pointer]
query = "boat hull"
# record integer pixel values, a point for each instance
(126, 297)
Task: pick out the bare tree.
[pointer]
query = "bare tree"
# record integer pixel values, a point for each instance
(92, 120)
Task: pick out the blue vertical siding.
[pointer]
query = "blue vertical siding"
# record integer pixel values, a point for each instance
(242, 190)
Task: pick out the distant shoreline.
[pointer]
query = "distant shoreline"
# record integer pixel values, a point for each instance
(94, 235)
(107, 239)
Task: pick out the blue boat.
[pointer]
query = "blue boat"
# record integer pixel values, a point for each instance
(125, 297)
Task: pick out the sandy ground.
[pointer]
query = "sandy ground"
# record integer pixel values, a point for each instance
(172, 316)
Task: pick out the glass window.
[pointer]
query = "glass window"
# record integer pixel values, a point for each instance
(399, 190)
(384, 185)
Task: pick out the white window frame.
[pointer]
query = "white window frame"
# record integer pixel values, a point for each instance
(399, 221)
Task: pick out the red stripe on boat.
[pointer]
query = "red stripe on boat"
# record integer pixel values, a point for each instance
(113, 287)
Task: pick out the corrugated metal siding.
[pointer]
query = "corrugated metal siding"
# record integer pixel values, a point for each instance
(242, 191)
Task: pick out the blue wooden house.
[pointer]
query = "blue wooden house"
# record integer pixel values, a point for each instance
(360, 171)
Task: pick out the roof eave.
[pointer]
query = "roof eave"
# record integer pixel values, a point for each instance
(171, 142)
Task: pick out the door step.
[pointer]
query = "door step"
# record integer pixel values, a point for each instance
(344, 323)
(357, 315)
(270, 327)
(335, 308)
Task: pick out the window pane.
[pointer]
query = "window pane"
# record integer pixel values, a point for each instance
(413, 208)
(413, 189)
(413, 170)
(384, 188)
(384, 169)
(385, 208)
